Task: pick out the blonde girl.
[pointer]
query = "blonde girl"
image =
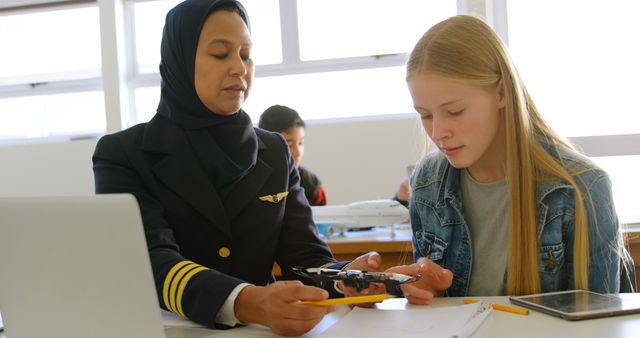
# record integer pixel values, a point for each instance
(505, 205)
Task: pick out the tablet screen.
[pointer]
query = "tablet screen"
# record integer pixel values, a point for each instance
(576, 301)
(578, 304)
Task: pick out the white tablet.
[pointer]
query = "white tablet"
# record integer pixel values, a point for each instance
(579, 304)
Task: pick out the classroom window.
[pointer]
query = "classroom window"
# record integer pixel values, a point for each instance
(149, 17)
(69, 114)
(352, 60)
(338, 29)
(147, 99)
(330, 95)
(47, 45)
(581, 67)
(339, 85)
(579, 62)
(148, 21)
(315, 96)
(623, 171)
(50, 72)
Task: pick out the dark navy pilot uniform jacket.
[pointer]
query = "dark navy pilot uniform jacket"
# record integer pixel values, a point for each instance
(202, 247)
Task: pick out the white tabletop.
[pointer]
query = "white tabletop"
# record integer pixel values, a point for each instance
(536, 324)
(499, 324)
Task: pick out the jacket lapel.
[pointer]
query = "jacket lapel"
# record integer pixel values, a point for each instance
(182, 173)
(246, 190)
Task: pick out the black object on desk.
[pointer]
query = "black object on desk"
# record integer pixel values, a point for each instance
(358, 279)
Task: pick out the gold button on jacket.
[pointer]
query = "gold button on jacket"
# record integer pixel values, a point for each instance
(224, 252)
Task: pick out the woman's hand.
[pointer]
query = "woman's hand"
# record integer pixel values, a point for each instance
(274, 306)
(368, 262)
(434, 281)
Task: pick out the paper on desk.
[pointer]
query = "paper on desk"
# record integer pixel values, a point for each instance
(422, 322)
(474, 322)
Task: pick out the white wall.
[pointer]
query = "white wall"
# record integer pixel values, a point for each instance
(363, 158)
(357, 159)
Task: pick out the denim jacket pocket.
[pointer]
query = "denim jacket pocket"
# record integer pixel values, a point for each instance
(430, 245)
(551, 258)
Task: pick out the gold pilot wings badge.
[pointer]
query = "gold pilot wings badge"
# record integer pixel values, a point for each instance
(275, 198)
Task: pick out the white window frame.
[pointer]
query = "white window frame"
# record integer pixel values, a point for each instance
(45, 87)
(493, 10)
(120, 77)
(53, 86)
(291, 62)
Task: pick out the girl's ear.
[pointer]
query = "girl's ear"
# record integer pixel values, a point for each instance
(501, 96)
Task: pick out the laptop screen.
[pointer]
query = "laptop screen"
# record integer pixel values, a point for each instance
(76, 267)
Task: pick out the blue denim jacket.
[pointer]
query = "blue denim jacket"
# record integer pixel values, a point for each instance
(441, 234)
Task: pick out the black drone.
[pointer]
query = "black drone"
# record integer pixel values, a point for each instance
(357, 279)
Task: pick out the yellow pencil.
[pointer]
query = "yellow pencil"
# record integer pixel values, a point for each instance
(501, 307)
(346, 300)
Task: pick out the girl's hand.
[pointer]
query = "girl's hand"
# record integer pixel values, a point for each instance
(435, 280)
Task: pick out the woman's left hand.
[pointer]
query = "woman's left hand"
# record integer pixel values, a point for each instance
(368, 262)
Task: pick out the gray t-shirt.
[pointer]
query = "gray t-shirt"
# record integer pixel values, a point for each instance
(486, 210)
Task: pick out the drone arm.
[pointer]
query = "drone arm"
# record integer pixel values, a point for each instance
(393, 287)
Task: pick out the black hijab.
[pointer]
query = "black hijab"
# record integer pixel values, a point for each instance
(225, 144)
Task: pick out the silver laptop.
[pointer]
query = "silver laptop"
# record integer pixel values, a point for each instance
(76, 267)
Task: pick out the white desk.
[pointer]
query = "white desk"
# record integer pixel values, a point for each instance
(536, 324)
(499, 324)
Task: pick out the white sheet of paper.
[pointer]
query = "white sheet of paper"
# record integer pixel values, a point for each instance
(409, 323)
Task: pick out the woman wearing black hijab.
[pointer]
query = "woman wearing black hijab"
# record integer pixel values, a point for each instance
(220, 200)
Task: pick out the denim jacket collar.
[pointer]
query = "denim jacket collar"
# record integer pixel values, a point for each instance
(448, 201)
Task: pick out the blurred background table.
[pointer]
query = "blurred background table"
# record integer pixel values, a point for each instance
(396, 247)
(632, 236)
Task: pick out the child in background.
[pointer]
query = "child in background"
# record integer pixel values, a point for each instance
(287, 122)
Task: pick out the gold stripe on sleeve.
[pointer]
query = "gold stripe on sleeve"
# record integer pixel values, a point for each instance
(167, 282)
(183, 285)
(176, 281)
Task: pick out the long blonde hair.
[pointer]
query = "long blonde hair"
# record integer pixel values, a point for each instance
(465, 49)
